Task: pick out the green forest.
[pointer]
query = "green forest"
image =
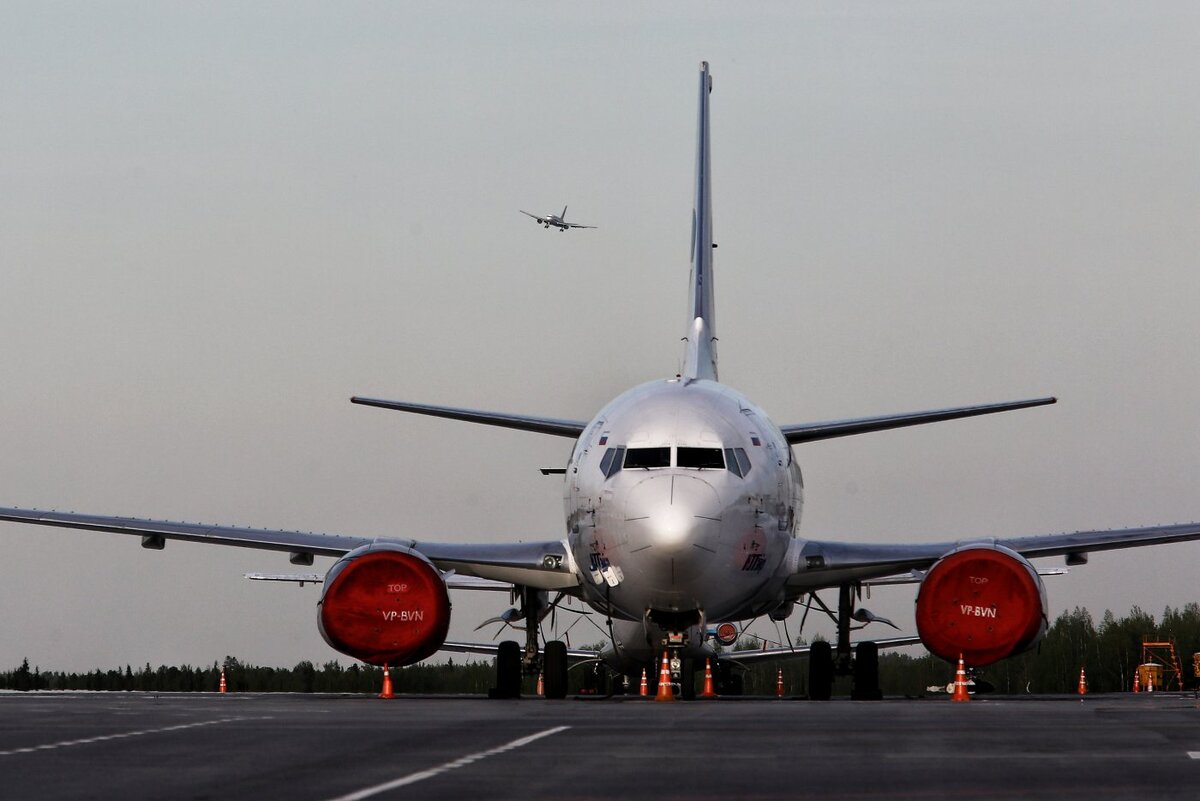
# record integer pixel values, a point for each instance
(1109, 651)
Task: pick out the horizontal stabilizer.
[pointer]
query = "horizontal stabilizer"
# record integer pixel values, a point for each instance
(490, 649)
(541, 425)
(456, 582)
(810, 432)
(294, 578)
(800, 651)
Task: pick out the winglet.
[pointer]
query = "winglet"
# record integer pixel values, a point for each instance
(701, 357)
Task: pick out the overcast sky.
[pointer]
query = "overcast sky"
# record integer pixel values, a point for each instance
(219, 221)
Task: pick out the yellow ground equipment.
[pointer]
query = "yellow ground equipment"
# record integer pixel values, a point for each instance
(1160, 666)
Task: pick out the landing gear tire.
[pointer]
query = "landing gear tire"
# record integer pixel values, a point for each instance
(866, 673)
(508, 671)
(820, 671)
(554, 668)
(727, 680)
(687, 680)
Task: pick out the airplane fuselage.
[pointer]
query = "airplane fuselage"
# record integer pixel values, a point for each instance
(681, 500)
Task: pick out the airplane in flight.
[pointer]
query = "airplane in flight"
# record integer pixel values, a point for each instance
(559, 221)
(682, 506)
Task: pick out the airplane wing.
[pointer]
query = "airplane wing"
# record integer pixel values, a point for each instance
(810, 432)
(534, 216)
(826, 564)
(542, 425)
(577, 225)
(917, 576)
(544, 565)
(784, 652)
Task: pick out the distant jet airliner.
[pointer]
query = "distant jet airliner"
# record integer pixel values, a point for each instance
(683, 505)
(559, 221)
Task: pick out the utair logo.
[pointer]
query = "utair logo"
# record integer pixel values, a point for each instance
(977, 611)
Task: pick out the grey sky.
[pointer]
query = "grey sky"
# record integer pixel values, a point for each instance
(219, 222)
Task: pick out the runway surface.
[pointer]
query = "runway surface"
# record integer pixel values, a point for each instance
(301, 747)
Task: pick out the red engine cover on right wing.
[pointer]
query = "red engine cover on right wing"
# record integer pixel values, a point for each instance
(385, 607)
(986, 603)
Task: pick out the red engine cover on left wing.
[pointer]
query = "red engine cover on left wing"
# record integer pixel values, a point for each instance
(983, 602)
(385, 606)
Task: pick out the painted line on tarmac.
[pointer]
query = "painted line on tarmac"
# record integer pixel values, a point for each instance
(122, 735)
(1194, 754)
(461, 762)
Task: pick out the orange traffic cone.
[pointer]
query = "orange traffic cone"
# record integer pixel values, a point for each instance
(709, 691)
(541, 688)
(1149, 682)
(645, 685)
(779, 683)
(387, 684)
(224, 688)
(1082, 683)
(960, 683)
(664, 681)
(1137, 681)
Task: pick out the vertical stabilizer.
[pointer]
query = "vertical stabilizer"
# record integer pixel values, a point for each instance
(701, 358)
(563, 216)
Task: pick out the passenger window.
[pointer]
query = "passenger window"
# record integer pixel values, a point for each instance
(701, 458)
(743, 460)
(647, 458)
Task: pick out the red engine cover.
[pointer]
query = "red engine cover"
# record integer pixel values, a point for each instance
(985, 603)
(726, 634)
(385, 607)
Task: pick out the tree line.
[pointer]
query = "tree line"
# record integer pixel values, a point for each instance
(1109, 651)
(305, 677)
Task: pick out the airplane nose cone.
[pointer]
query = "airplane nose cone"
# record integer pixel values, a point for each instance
(673, 514)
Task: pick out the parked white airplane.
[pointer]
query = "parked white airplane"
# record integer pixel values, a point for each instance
(683, 505)
(559, 221)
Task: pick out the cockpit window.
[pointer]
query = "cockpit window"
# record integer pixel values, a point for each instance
(737, 461)
(647, 457)
(610, 463)
(732, 462)
(703, 458)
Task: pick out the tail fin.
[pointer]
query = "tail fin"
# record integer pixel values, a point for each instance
(563, 216)
(701, 358)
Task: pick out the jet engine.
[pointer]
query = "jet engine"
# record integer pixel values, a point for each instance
(385, 605)
(984, 602)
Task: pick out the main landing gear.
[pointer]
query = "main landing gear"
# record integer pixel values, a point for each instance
(513, 662)
(824, 663)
